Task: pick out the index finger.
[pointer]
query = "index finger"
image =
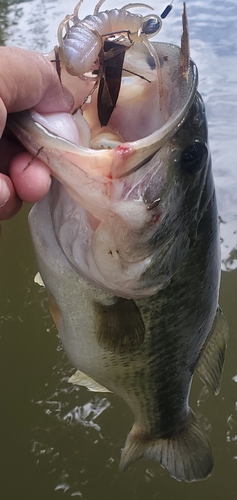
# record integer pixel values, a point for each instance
(27, 80)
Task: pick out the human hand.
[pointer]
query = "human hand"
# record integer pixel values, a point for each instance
(27, 80)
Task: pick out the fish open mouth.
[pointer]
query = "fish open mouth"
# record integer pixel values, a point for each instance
(148, 112)
(142, 106)
(123, 114)
(99, 167)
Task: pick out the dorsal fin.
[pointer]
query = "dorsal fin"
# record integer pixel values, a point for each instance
(210, 365)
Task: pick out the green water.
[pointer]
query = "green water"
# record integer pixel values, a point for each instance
(57, 440)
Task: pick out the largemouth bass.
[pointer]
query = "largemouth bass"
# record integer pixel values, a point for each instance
(128, 246)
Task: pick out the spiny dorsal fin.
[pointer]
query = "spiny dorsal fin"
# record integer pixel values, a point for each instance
(184, 51)
(211, 362)
(187, 456)
(120, 327)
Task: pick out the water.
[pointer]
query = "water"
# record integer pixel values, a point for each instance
(61, 441)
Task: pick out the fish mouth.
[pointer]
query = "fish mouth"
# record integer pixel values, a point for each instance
(106, 170)
(148, 113)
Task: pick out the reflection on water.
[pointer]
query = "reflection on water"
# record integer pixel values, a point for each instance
(60, 440)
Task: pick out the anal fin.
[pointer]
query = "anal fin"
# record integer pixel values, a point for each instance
(80, 378)
(210, 365)
(187, 456)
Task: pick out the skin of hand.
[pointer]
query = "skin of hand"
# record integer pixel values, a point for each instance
(27, 80)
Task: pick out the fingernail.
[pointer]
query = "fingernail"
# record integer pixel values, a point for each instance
(4, 192)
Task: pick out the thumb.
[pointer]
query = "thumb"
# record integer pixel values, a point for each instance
(29, 80)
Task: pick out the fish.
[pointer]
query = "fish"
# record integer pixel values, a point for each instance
(127, 242)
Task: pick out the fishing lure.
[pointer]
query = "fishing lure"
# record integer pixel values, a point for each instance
(94, 48)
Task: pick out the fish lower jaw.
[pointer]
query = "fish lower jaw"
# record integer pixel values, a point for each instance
(106, 252)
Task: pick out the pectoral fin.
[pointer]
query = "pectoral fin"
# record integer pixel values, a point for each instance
(187, 456)
(211, 362)
(120, 326)
(80, 378)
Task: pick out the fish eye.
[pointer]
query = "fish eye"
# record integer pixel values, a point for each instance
(151, 25)
(198, 113)
(194, 157)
